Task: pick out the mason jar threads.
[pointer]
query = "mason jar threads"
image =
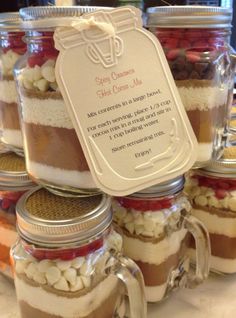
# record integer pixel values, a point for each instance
(68, 261)
(12, 47)
(156, 225)
(13, 184)
(195, 40)
(54, 156)
(212, 191)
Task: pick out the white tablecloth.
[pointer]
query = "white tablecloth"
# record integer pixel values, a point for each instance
(216, 298)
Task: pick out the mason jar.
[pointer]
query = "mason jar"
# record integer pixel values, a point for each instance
(68, 261)
(212, 191)
(195, 40)
(12, 47)
(14, 182)
(156, 227)
(54, 157)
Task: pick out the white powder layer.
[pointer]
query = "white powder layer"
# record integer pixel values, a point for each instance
(12, 137)
(57, 176)
(53, 304)
(216, 224)
(47, 112)
(155, 293)
(8, 92)
(153, 253)
(203, 98)
(7, 236)
(204, 151)
(218, 264)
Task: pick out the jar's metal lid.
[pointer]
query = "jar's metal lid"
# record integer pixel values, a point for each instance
(37, 13)
(10, 21)
(46, 219)
(162, 189)
(13, 175)
(189, 17)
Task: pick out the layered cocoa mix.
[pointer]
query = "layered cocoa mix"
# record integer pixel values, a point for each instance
(75, 287)
(146, 240)
(214, 203)
(54, 154)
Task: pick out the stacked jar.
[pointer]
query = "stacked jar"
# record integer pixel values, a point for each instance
(212, 191)
(12, 47)
(14, 182)
(68, 262)
(54, 157)
(156, 226)
(195, 40)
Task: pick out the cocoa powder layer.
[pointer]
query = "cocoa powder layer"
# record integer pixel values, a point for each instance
(9, 115)
(105, 310)
(54, 146)
(204, 121)
(155, 275)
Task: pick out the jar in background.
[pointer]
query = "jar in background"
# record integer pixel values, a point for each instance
(12, 47)
(195, 40)
(212, 191)
(54, 156)
(156, 225)
(68, 261)
(13, 184)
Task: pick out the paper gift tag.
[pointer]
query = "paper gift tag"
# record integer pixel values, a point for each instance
(123, 101)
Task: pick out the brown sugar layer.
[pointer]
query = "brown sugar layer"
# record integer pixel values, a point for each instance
(158, 274)
(40, 95)
(194, 83)
(204, 121)
(212, 210)
(9, 115)
(54, 146)
(4, 254)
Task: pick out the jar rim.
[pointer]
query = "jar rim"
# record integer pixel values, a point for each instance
(189, 17)
(62, 232)
(10, 21)
(223, 168)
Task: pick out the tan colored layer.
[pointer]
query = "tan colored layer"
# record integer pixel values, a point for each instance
(9, 115)
(203, 122)
(194, 83)
(105, 310)
(4, 254)
(7, 78)
(40, 95)
(7, 220)
(158, 274)
(212, 210)
(54, 146)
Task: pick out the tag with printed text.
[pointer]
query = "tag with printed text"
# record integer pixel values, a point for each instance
(123, 102)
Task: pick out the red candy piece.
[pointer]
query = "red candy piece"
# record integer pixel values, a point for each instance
(223, 185)
(172, 54)
(220, 193)
(145, 205)
(171, 43)
(6, 203)
(184, 44)
(192, 57)
(36, 59)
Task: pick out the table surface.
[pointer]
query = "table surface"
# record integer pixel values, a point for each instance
(214, 299)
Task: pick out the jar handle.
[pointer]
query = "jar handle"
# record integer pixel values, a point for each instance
(203, 250)
(131, 276)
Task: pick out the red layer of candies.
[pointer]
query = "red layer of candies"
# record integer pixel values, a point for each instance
(15, 43)
(8, 200)
(145, 205)
(220, 186)
(64, 254)
(191, 42)
(46, 51)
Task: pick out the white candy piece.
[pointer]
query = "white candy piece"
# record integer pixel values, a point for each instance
(130, 227)
(54, 86)
(62, 284)
(128, 218)
(42, 85)
(44, 265)
(70, 275)
(63, 265)
(37, 74)
(48, 73)
(86, 269)
(20, 266)
(39, 278)
(30, 270)
(232, 203)
(77, 262)
(86, 281)
(78, 284)
(201, 200)
(53, 274)
(149, 225)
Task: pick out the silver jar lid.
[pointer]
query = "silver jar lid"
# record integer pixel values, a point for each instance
(223, 168)
(189, 17)
(49, 220)
(37, 13)
(13, 175)
(162, 189)
(10, 21)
